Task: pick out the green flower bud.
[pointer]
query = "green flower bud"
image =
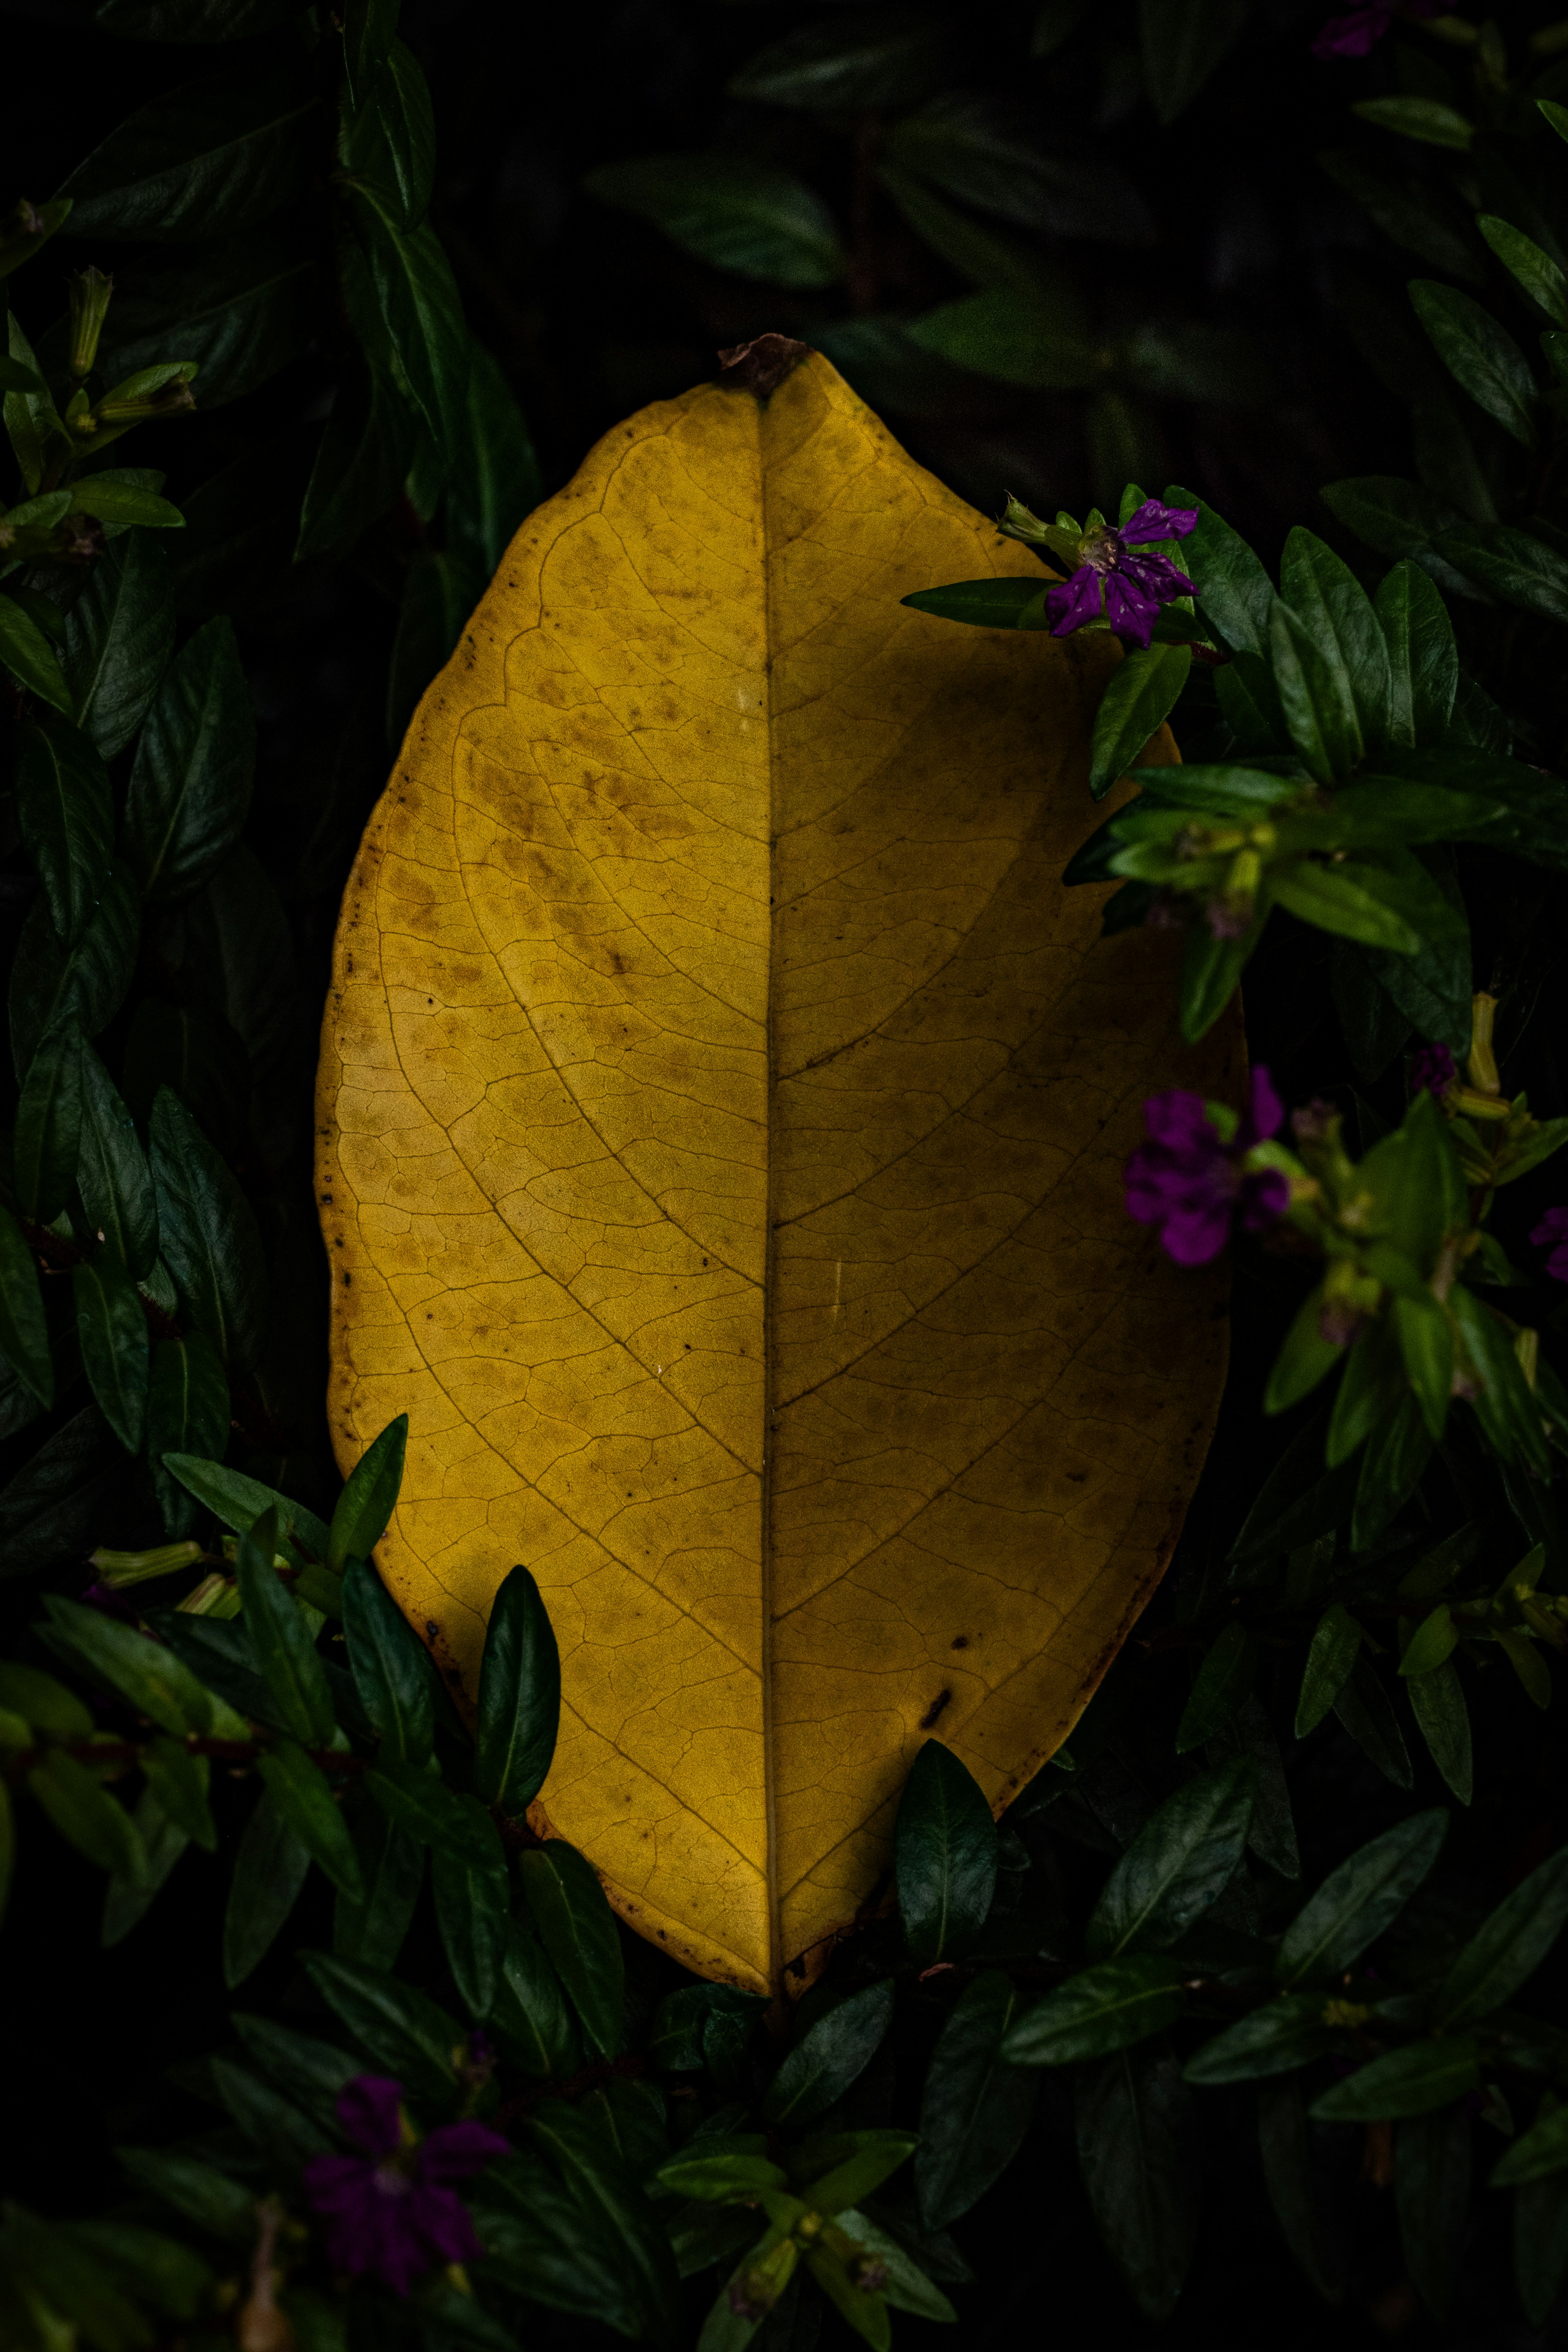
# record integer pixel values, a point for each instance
(90, 296)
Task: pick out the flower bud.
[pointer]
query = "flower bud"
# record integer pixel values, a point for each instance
(1481, 1067)
(90, 293)
(868, 2272)
(118, 1568)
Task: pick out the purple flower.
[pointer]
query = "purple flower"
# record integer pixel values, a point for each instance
(1355, 35)
(389, 2211)
(1552, 1234)
(1191, 1184)
(1432, 1071)
(1120, 578)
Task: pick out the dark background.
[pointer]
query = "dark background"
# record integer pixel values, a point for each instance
(592, 314)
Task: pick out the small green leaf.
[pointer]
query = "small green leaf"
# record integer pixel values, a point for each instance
(1514, 564)
(203, 157)
(422, 339)
(519, 1697)
(158, 1684)
(391, 1869)
(390, 1666)
(239, 1501)
(1221, 1683)
(1432, 2191)
(190, 784)
(1437, 1702)
(67, 816)
(1427, 119)
(1102, 2009)
(218, 2205)
(111, 1335)
(849, 63)
(408, 2035)
(975, 2107)
(366, 1506)
(1434, 1640)
(1040, 343)
(187, 1407)
(577, 1929)
(1357, 1902)
(179, 1783)
(1277, 2038)
(1482, 357)
(1507, 1949)
(1181, 1862)
(1536, 271)
(830, 2055)
(303, 1796)
(48, 1141)
(285, 1650)
(209, 1235)
(944, 1854)
(1537, 2154)
(23, 1333)
(531, 2017)
(1330, 1658)
(85, 1814)
(120, 633)
(1004, 602)
(32, 661)
(1409, 2082)
(388, 138)
(1130, 2115)
(469, 1885)
(1140, 696)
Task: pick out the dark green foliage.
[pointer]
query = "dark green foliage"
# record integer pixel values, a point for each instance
(1291, 1878)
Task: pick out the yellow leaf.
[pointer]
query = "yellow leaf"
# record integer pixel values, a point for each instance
(722, 1112)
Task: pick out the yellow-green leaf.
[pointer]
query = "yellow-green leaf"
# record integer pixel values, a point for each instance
(722, 1114)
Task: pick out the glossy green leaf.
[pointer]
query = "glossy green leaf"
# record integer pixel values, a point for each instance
(389, 138)
(111, 1334)
(1407, 2081)
(178, 1780)
(187, 1409)
(47, 1137)
(190, 786)
(944, 1855)
(364, 1507)
(1130, 2112)
(1482, 357)
(372, 1928)
(406, 2034)
(1221, 1683)
(831, 2055)
(1315, 699)
(1004, 602)
(209, 1237)
(577, 1929)
(1285, 2140)
(605, 2192)
(736, 213)
(1140, 696)
(1330, 1658)
(239, 1501)
(497, 481)
(1396, 517)
(285, 2137)
(1364, 1706)
(519, 1697)
(303, 1796)
(468, 1881)
(1507, 1949)
(1539, 2152)
(1427, 119)
(204, 158)
(975, 2107)
(86, 1815)
(1357, 1902)
(1039, 342)
(212, 2202)
(42, 1702)
(1329, 600)
(49, 980)
(1281, 2035)
(66, 817)
(531, 2017)
(239, 310)
(112, 1175)
(158, 1684)
(1432, 2192)
(422, 333)
(23, 1333)
(50, 1507)
(366, 448)
(1180, 1862)
(390, 1667)
(32, 661)
(871, 59)
(1437, 1702)
(1536, 271)
(1182, 47)
(285, 1650)
(120, 633)
(1236, 594)
(1104, 2008)
(1514, 564)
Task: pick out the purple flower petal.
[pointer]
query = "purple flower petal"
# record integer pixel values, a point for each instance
(1353, 35)
(455, 2150)
(1154, 520)
(1265, 1198)
(1432, 1071)
(443, 2223)
(1073, 601)
(1130, 609)
(368, 2111)
(1195, 1236)
(1156, 575)
(1265, 1115)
